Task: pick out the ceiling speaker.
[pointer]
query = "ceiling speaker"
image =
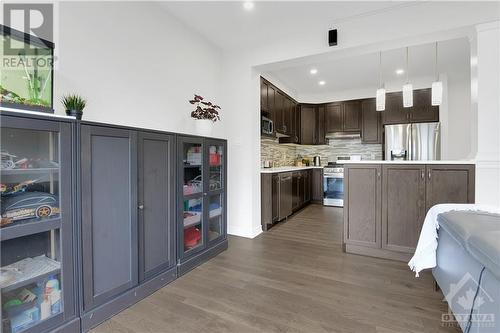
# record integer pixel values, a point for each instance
(332, 37)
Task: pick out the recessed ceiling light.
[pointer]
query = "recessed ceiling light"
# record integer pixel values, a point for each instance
(248, 5)
(400, 71)
(313, 71)
(321, 83)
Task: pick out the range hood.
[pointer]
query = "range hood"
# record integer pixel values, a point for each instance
(343, 135)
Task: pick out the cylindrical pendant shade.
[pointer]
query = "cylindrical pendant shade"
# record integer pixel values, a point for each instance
(408, 95)
(380, 100)
(437, 93)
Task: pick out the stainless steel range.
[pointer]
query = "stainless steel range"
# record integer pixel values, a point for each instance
(333, 181)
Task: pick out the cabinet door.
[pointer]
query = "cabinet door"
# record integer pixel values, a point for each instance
(422, 110)
(289, 117)
(333, 117)
(295, 190)
(266, 203)
(279, 101)
(156, 204)
(275, 197)
(394, 112)
(215, 179)
(191, 196)
(320, 125)
(302, 185)
(264, 95)
(362, 205)
(317, 185)
(271, 105)
(371, 120)
(307, 124)
(351, 116)
(307, 186)
(109, 212)
(403, 206)
(449, 184)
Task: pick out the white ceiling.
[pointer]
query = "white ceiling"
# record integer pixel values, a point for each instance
(361, 72)
(227, 25)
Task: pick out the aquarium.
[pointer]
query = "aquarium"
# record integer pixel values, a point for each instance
(26, 80)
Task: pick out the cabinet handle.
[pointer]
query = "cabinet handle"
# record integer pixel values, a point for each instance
(422, 174)
(141, 207)
(429, 174)
(284, 128)
(205, 194)
(378, 174)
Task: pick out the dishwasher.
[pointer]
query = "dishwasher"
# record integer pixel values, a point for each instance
(285, 195)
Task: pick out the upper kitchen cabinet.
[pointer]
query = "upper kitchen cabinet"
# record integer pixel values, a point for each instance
(371, 122)
(280, 108)
(334, 117)
(320, 138)
(307, 124)
(422, 110)
(394, 112)
(289, 117)
(343, 117)
(351, 116)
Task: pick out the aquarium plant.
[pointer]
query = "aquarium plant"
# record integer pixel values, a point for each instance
(74, 105)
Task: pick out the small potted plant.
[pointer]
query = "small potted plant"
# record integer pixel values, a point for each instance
(74, 105)
(205, 115)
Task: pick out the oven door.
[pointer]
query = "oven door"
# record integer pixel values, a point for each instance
(333, 188)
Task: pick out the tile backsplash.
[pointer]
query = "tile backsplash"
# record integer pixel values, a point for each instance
(284, 154)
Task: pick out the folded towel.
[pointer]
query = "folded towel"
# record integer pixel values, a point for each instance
(425, 253)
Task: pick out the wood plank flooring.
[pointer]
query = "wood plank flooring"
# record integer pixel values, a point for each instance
(293, 278)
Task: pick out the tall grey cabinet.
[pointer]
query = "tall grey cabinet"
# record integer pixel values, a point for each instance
(201, 200)
(37, 286)
(109, 212)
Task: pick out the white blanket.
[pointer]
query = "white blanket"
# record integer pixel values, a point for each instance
(425, 253)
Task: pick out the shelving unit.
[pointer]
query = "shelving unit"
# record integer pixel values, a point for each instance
(36, 234)
(199, 239)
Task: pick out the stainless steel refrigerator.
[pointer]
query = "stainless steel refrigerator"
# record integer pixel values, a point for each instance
(419, 141)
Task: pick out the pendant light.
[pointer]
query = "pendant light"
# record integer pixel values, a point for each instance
(380, 96)
(408, 87)
(437, 86)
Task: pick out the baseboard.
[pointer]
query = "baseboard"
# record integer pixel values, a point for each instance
(94, 317)
(244, 232)
(377, 253)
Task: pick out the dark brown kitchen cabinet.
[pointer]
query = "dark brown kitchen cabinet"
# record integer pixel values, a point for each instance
(288, 117)
(268, 204)
(422, 110)
(351, 116)
(403, 206)
(264, 96)
(449, 184)
(334, 117)
(307, 186)
(362, 205)
(279, 104)
(275, 187)
(317, 186)
(384, 212)
(371, 122)
(307, 124)
(320, 138)
(394, 112)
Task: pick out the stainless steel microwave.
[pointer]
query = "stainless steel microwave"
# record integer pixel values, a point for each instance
(267, 126)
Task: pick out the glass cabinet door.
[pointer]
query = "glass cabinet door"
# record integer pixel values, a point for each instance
(192, 191)
(215, 155)
(30, 176)
(215, 167)
(36, 269)
(215, 217)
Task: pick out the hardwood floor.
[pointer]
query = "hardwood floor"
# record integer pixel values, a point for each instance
(293, 278)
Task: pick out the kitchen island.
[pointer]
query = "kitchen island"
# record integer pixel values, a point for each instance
(385, 202)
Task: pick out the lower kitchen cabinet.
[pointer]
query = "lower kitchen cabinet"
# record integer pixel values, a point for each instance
(362, 205)
(317, 193)
(109, 213)
(385, 204)
(201, 200)
(285, 207)
(403, 206)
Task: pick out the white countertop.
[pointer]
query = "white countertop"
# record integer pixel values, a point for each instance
(288, 169)
(408, 162)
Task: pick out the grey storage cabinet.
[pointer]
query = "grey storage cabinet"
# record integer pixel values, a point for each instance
(37, 234)
(201, 200)
(156, 203)
(109, 213)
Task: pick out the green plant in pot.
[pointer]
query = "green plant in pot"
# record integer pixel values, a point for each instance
(74, 105)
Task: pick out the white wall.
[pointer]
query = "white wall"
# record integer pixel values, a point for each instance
(135, 64)
(386, 30)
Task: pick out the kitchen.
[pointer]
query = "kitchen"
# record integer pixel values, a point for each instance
(359, 140)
